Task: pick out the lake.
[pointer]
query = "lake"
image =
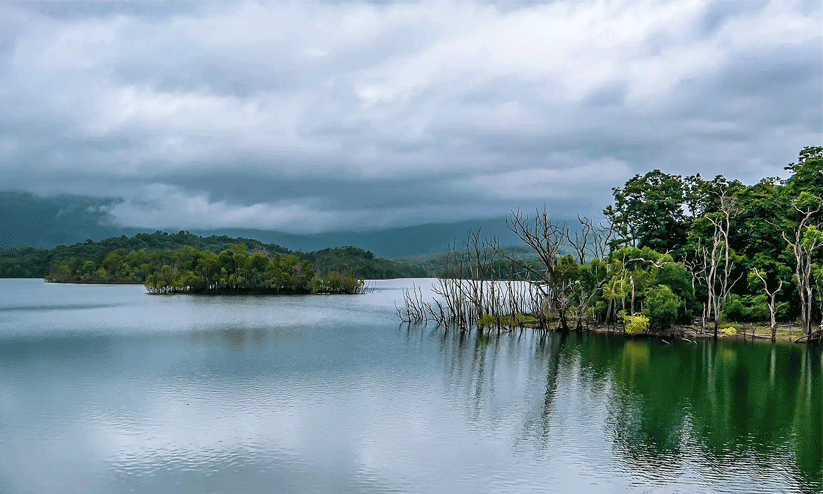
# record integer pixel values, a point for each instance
(106, 389)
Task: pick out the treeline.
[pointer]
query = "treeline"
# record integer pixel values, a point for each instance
(190, 270)
(674, 249)
(361, 262)
(446, 264)
(88, 261)
(752, 253)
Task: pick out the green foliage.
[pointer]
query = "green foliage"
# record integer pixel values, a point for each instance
(757, 307)
(729, 330)
(361, 262)
(132, 259)
(678, 280)
(486, 321)
(662, 306)
(235, 271)
(649, 210)
(735, 310)
(508, 321)
(337, 283)
(657, 210)
(636, 324)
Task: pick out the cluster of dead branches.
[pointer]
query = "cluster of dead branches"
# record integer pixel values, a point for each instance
(539, 294)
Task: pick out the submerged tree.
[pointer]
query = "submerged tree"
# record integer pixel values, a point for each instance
(546, 239)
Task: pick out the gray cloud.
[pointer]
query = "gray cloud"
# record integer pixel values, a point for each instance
(324, 116)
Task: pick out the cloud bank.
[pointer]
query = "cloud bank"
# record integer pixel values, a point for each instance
(323, 116)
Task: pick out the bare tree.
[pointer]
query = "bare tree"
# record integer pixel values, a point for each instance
(805, 242)
(699, 271)
(715, 262)
(589, 240)
(545, 238)
(772, 294)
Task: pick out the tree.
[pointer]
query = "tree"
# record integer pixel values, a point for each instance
(807, 239)
(648, 211)
(546, 239)
(662, 306)
(762, 276)
(714, 261)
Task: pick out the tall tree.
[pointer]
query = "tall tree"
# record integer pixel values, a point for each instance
(648, 211)
(806, 240)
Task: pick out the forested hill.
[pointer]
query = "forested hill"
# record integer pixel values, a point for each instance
(30, 262)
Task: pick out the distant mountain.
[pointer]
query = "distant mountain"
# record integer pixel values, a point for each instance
(31, 221)
(390, 243)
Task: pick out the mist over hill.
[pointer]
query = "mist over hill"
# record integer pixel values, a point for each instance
(27, 220)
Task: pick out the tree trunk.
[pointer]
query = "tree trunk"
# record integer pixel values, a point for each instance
(773, 320)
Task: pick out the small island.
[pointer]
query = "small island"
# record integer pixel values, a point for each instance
(189, 270)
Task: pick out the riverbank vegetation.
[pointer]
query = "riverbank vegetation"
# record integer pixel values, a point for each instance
(672, 251)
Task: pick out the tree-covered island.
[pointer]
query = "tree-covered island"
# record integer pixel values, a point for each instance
(234, 271)
(190, 270)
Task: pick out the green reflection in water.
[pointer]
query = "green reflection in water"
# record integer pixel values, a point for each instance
(735, 402)
(727, 406)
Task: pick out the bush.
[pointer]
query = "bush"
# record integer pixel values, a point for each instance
(730, 329)
(662, 306)
(734, 309)
(637, 324)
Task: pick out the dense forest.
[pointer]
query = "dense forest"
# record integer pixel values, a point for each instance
(673, 250)
(93, 262)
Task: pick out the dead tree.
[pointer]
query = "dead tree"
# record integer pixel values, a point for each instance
(772, 294)
(803, 247)
(546, 239)
(715, 262)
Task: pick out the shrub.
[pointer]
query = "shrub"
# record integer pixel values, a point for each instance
(486, 321)
(734, 309)
(637, 324)
(731, 329)
(662, 306)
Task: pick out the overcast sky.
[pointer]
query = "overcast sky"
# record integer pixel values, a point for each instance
(317, 116)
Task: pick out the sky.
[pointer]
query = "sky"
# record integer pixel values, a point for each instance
(309, 117)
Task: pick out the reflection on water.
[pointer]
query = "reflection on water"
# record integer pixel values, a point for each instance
(725, 416)
(124, 392)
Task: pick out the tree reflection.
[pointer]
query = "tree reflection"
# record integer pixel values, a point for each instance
(665, 409)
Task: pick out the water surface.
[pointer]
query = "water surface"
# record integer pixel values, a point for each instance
(105, 389)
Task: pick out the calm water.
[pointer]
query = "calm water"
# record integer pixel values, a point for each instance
(109, 390)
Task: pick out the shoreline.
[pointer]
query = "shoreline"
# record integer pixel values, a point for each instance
(82, 282)
(750, 333)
